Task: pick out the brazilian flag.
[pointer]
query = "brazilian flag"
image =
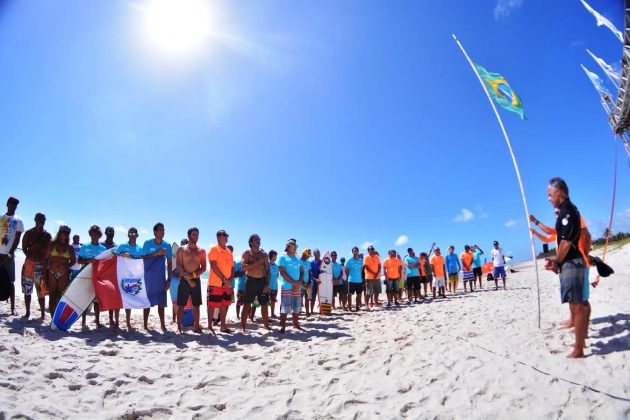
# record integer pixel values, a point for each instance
(501, 91)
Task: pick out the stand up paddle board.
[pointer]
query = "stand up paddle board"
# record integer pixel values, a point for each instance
(325, 285)
(77, 297)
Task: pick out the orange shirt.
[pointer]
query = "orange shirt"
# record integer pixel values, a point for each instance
(225, 263)
(391, 268)
(437, 263)
(372, 261)
(422, 261)
(466, 258)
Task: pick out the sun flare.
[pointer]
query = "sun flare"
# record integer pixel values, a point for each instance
(177, 27)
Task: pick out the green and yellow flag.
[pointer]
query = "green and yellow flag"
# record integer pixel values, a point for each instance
(501, 91)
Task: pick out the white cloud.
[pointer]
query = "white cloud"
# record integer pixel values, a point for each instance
(503, 8)
(60, 222)
(143, 231)
(402, 239)
(464, 216)
(510, 223)
(120, 229)
(367, 244)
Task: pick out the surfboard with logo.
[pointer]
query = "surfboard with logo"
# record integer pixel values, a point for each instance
(325, 285)
(77, 297)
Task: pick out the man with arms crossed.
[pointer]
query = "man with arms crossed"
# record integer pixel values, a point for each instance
(191, 263)
(255, 264)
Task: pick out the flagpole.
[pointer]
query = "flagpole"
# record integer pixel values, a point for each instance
(518, 173)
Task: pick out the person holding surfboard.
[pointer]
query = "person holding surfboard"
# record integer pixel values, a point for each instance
(11, 228)
(220, 280)
(153, 248)
(35, 245)
(59, 260)
(87, 255)
(339, 288)
(314, 277)
(255, 264)
(292, 272)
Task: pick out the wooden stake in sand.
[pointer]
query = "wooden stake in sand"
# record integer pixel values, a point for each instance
(518, 173)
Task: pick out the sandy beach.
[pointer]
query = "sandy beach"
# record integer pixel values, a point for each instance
(474, 355)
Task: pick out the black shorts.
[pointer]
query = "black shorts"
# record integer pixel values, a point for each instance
(253, 289)
(477, 272)
(355, 288)
(340, 289)
(185, 290)
(413, 283)
(424, 280)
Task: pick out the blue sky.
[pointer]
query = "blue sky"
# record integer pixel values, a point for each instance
(336, 123)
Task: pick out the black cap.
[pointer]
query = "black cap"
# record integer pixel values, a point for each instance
(13, 200)
(370, 248)
(222, 233)
(40, 216)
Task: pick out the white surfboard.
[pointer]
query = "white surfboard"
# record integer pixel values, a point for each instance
(325, 285)
(77, 297)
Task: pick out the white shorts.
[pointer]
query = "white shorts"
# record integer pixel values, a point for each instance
(439, 281)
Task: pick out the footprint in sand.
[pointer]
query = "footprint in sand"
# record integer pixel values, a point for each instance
(108, 352)
(53, 375)
(91, 375)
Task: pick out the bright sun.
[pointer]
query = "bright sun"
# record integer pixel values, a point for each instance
(177, 27)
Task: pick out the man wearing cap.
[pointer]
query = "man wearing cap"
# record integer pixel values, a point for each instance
(219, 294)
(393, 270)
(372, 264)
(87, 255)
(306, 289)
(255, 263)
(498, 264)
(35, 245)
(11, 228)
(354, 272)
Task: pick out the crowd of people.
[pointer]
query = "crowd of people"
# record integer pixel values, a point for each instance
(258, 278)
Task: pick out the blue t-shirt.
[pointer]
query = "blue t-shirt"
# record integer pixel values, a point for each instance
(89, 251)
(275, 272)
(476, 258)
(240, 281)
(150, 247)
(336, 270)
(134, 250)
(412, 272)
(307, 270)
(355, 267)
(452, 263)
(292, 267)
(315, 269)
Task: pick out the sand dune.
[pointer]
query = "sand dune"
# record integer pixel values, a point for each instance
(476, 355)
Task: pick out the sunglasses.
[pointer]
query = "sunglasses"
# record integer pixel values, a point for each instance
(225, 235)
(133, 234)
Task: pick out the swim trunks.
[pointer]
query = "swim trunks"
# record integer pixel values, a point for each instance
(185, 291)
(254, 289)
(572, 281)
(219, 297)
(33, 278)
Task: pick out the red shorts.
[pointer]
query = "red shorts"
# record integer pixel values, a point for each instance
(219, 297)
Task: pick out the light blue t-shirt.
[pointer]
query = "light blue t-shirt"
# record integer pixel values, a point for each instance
(355, 267)
(292, 267)
(89, 251)
(307, 269)
(412, 272)
(452, 263)
(241, 280)
(336, 270)
(134, 250)
(476, 258)
(275, 272)
(150, 247)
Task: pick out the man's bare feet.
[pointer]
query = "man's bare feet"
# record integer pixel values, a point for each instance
(298, 327)
(567, 324)
(198, 330)
(226, 330)
(576, 354)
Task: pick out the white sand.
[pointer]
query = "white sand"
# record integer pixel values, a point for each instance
(476, 355)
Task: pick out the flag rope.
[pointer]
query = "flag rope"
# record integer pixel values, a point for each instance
(518, 173)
